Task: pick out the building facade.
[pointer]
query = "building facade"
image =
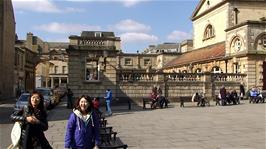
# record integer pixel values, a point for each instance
(7, 49)
(52, 71)
(228, 48)
(227, 39)
(24, 69)
(96, 63)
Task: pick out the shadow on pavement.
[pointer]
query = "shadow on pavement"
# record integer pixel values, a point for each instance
(5, 113)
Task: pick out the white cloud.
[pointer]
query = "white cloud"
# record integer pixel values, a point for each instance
(45, 6)
(126, 3)
(56, 27)
(137, 37)
(129, 25)
(130, 3)
(36, 5)
(178, 36)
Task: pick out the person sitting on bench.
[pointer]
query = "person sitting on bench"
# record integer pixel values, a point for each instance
(154, 97)
(161, 99)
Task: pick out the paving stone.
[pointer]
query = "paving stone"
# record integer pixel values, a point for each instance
(215, 127)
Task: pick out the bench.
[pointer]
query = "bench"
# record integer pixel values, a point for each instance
(113, 144)
(184, 99)
(107, 134)
(145, 101)
(109, 139)
(103, 122)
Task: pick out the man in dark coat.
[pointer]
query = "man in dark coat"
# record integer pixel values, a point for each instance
(223, 95)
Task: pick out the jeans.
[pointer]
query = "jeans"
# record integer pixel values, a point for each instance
(108, 105)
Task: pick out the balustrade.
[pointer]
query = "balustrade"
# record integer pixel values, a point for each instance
(178, 77)
(228, 77)
(136, 77)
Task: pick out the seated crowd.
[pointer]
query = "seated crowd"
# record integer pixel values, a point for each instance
(158, 100)
(200, 99)
(255, 96)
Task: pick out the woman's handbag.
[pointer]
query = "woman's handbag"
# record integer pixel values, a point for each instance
(16, 133)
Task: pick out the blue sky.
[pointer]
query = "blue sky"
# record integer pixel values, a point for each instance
(139, 23)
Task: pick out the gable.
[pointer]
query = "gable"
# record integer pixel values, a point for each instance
(205, 6)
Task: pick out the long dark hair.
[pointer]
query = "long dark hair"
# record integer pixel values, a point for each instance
(40, 111)
(89, 109)
(41, 104)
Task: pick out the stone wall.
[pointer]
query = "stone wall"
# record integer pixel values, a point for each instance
(7, 50)
(174, 88)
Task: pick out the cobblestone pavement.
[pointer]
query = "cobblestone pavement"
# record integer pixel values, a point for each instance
(215, 127)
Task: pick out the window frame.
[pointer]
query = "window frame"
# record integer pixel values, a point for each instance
(214, 69)
(64, 69)
(208, 32)
(264, 41)
(56, 69)
(145, 60)
(95, 68)
(129, 60)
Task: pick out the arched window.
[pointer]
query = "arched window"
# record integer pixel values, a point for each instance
(217, 69)
(209, 32)
(184, 71)
(198, 70)
(260, 42)
(263, 41)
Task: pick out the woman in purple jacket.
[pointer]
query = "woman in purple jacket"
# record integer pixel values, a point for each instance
(83, 126)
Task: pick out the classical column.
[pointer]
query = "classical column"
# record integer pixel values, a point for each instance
(46, 82)
(59, 80)
(52, 82)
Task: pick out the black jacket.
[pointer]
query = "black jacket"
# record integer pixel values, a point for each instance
(32, 134)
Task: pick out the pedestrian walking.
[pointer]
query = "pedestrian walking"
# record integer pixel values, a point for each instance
(33, 118)
(83, 126)
(69, 99)
(242, 91)
(108, 99)
(223, 95)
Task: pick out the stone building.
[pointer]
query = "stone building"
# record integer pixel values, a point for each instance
(40, 63)
(229, 37)
(96, 63)
(25, 62)
(163, 48)
(7, 52)
(52, 70)
(228, 48)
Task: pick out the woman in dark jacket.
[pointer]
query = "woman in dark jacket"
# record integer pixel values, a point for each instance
(83, 126)
(34, 122)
